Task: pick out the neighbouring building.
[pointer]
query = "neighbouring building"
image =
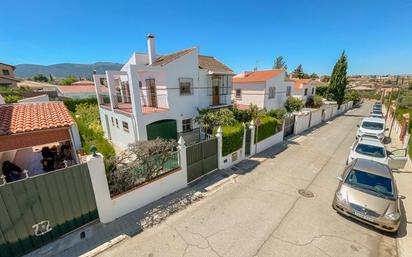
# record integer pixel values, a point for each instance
(38, 137)
(157, 95)
(265, 88)
(7, 78)
(303, 88)
(80, 89)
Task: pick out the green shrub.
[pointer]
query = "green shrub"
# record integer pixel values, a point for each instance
(322, 91)
(268, 127)
(68, 81)
(40, 78)
(352, 95)
(277, 113)
(72, 103)
(314, 101)
(12, 98)
(293, 104)
(232, 138)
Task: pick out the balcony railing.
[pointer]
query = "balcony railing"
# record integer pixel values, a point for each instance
(151, 103)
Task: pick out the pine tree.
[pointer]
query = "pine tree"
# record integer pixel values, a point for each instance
(338, 80)
(298, 72)
(280, 63)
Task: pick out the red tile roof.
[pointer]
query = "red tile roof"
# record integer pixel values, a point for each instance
(76, 89)
(83, 83)
(300, 82)
(20, 118)
(257, 76)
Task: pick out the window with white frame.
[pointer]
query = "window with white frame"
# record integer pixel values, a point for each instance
(125, 126)
(289, 91)
(238, 93)
(186, 86)
(117, 123)
(187, 125)
(272, 92)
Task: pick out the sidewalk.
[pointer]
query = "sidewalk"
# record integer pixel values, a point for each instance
(98, 237)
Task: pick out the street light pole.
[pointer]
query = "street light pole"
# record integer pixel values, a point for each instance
(394, 112)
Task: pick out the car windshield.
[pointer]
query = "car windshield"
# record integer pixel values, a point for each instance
(372, 125)
(371, 150)
(370, 182)
(376, 112)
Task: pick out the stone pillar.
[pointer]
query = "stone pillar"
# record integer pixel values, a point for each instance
(100, 187)
(219, 137)
(112, 90)
(182, 155)
(252, 138)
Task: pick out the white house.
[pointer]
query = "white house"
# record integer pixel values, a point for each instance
(266, 89)
(159, 95)
(303, 88)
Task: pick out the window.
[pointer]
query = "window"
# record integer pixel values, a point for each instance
(289, 91)
(103, 81)
(238, 93)
(117, 123)
(125, 126)
(187, 125)
(272, 92)
(185, 86)
(313, 90)
(306, 91)
(6, 72)
(112, 122)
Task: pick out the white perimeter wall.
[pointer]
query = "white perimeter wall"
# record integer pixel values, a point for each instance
(301, 122)
(316, 117)
(270, 141)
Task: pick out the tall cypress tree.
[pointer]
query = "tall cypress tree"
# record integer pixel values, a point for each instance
(338, 80)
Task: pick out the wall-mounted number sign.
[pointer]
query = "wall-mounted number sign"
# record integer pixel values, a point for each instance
(42, 228)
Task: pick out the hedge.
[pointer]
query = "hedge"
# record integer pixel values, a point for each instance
(268, 127)
(71, 103)
(232, 138)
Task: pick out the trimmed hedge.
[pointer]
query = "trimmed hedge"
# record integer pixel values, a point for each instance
(268, 127)
(232, 138)
(71, 103)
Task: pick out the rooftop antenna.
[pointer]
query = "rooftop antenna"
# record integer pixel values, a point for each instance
(256, 66)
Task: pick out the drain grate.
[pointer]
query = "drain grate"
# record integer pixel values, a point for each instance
(306, 193)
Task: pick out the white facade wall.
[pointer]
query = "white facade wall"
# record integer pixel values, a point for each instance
(270, 141)
(116, 134)
(251, 93)
(280, 96)
(316, 117)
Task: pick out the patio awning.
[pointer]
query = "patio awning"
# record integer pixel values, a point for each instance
(23, 140)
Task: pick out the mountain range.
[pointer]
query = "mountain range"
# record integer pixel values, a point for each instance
(63, 70)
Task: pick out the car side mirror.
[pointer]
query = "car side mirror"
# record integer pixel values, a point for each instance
(401, 197)
(386, 129)
(340, 178)
(357, 125)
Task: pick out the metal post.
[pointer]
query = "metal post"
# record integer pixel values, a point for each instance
(390, 103)
(396, 108)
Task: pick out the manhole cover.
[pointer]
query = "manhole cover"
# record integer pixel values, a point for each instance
(306, 193)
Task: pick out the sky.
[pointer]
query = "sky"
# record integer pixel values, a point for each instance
(375, 34)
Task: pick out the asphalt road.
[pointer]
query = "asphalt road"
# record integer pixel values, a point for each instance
(262, 214)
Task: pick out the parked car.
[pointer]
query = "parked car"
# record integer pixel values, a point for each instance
(367, 192)
(371, 148)
(372, 126)
(376, 113)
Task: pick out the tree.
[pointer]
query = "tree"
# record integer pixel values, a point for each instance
(314, 101)
(280, 63)
(50, 77)
(298, 72)
(141, 162)
(293, 104)
(254, 112)
(314, 76)
(325, 79)
(338, 80)
(68, 81)
(209, 119)
(40, 78)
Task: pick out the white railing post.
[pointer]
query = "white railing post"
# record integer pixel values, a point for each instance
(252, 138)
(182, 155)
(2, 180)
(219, 137)
(243, 142)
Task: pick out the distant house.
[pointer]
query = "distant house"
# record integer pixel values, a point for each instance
(266, 89)
(363, 89)
(31, 131)
(303, 88)
(80, 89)
(159, 95)
(7, 78)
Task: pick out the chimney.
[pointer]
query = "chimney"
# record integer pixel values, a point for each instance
(151, 50)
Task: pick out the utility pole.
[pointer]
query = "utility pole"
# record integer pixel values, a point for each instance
(396, 108)
(390, 102)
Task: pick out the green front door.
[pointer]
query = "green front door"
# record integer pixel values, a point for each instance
(164, 129)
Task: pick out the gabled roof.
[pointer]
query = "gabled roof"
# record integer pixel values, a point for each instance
(13, 67)
(212, 64)
(28, 117)
(76, 89)
(9, 78)
(165, 59)
(300, 82)
(257, 76)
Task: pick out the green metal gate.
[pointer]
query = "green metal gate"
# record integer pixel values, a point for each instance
(201, 158)
(40, 209)
(163, 128)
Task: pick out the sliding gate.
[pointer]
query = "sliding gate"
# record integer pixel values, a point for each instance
(201, 158)
(40, 209)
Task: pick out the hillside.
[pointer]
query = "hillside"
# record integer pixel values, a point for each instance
(62, 70)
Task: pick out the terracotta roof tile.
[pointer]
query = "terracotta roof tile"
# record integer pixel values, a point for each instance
(76, 89)
(257, 76)
(20, 118)
(165, 59)
(212, 64)
(300, 82)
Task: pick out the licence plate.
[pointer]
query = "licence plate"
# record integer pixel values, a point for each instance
(363, 216)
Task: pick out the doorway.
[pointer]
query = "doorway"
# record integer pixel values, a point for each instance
(215, 90)
(151, 92)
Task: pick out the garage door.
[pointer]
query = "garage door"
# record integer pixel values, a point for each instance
(164, 129)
